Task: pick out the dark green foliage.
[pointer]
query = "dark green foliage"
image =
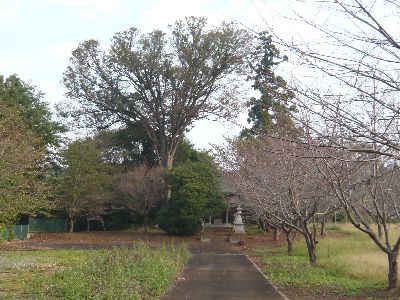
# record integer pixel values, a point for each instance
(85, 184)
(127, 146)
(195, 193)
(273, 108)
(26, 101)
(185, 152)
(119, 220)
(179, 223)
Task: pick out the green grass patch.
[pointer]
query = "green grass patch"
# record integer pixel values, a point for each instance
(348, 264)
(137, 272)
(253, 229)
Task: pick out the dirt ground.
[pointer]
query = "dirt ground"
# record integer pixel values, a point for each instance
(93, 239)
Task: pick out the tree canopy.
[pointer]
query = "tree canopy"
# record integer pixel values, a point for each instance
(23, 189)
(26, 129)
(165, 81)
(85, 184)
(273, 108)
(27, 102)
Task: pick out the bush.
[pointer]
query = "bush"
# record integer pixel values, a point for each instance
(119, 220)
(172, 220)
(195, 194)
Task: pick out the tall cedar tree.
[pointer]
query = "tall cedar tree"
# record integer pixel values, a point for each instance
(273, 108)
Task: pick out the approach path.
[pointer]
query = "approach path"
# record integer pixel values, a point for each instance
(217, 272)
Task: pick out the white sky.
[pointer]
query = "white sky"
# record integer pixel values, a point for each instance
(37, 36)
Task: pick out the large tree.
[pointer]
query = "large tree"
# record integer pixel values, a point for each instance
(349, 93)
(272, 109)
(166, 81)
(23, 189)
(85, 184)
(26, 129)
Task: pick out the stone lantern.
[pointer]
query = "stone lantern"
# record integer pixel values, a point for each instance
(238, 226)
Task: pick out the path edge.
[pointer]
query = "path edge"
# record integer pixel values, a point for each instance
(176, 280)
(268, 280)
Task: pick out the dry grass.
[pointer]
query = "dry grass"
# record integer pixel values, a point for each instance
(347, 261)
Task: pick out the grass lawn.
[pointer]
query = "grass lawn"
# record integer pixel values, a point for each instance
(348, 262)
(137, 272)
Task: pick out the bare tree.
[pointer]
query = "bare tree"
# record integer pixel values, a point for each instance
(350, 79)
(348, 102)
(143, 186)
(280, 183)
(368, 191)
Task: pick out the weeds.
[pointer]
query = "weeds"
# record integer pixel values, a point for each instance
(137, 272)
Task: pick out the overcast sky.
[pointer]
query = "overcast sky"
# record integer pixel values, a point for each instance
(37, 36)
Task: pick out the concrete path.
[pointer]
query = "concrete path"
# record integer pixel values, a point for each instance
(230, 276)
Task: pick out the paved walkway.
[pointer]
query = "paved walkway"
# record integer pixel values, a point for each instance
(230, 276)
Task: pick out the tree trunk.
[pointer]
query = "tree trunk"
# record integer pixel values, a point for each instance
(380, 233)
(314, 232)
(289, 241)
(145, 223)
(102, 223)
(322, 232)
(266, 227)
(311, 248)
(166, 162)
(393, 268)
(289, 246)
(166, 192)
(87, 225)
(71, 224)
(276, 234)
(311, 252)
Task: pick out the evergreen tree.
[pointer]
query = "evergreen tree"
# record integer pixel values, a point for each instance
(273, 108)
(195, 191)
